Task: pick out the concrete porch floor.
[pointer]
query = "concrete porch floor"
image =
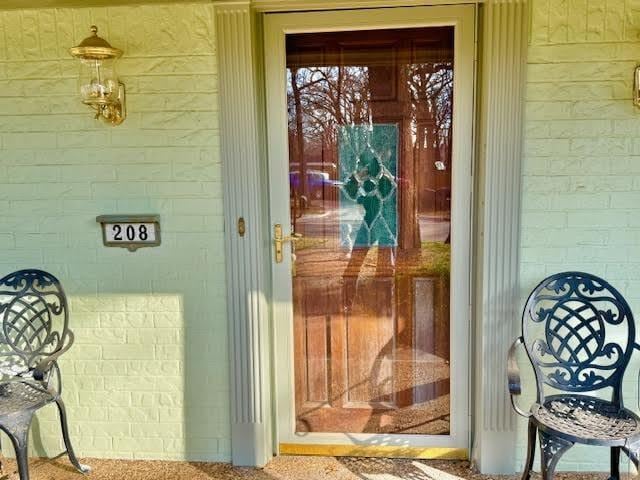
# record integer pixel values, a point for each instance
(281, 468)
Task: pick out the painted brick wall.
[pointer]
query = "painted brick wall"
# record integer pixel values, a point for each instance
(148, 376)
(581, 204)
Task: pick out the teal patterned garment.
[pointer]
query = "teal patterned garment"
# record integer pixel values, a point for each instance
(368, 196)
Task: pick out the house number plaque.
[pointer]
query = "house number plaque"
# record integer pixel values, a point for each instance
(130, 231)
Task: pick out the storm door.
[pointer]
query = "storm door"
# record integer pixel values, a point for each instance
(371, 279)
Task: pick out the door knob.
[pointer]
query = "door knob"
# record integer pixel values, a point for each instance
(279, 239)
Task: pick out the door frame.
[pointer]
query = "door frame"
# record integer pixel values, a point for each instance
(276, 27)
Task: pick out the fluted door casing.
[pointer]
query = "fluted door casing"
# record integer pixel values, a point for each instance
(504, 46)
(247, 304)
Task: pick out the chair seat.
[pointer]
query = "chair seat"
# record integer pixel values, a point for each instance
(20, 396)
(584, 419)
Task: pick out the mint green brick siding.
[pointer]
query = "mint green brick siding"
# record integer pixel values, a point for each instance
(581, 179)
(148, 375)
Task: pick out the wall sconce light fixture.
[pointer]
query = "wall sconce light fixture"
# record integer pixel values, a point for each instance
(98, 82)
(636, 86)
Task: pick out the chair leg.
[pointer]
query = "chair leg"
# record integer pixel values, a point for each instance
(633, 452)
(531, 450)
(615, 463)
(18, 433)
(22, 459)
(67, 441)
(551, 449)
(1, 461)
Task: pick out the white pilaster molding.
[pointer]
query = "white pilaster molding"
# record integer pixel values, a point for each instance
(502, 81)
(247, 307)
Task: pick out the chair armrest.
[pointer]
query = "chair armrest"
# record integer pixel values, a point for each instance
(638, 390)
(44, 365)
(513, 376)
(513, 372)
(636, 345)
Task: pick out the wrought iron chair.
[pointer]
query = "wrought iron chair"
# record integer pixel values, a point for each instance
(579, 334)
(34, 334)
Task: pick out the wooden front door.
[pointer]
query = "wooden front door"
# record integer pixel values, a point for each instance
(370, 185)
(370, 144)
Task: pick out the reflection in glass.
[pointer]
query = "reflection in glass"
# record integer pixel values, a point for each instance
(370, 125)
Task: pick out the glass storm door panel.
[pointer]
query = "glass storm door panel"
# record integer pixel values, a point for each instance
(370, 128)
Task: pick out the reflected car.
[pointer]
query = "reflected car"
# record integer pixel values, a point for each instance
(316, 180)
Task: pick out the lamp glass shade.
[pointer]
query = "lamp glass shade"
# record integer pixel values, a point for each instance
(98, 81)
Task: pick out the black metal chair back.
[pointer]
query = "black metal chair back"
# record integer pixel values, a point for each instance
(34, 333)
(579, 334)
(35, 318)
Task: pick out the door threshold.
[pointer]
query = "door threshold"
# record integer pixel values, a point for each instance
(385, 451)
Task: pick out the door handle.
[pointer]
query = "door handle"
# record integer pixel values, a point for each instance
(279, 239)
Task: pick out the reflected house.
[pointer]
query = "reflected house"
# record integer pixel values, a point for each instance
(425, 164)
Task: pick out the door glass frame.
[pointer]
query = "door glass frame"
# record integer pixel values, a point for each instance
(276, 27)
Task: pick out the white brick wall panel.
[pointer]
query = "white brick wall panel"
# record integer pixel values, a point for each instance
(154, 336)
(598, 218)
(90, 336)
(627, 127)
(540, 22)
(631, 238)
(596, 254)
(104, 399)
(588, 76)
(558, 28)
(83, 367)
(633, 219)
(129, 383)
(579, 201)
(600, 183)
(7, 241)
(546, 110)
(157, 430)
(625, 200)
(127, 352)
(148, 172)
(576, 52)
(190, 206)
(620, 109)
(547, 147)
(551, 219)
(580, 71)
(177, 84)
(534, 202)
(580, 128)
(614, 21)
(138, 445)
(558, 237)
(29, 140)
(563, 165)
(596, 11)
(547, 185)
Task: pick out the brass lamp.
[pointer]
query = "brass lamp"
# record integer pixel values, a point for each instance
(636, 86)
(98, 82)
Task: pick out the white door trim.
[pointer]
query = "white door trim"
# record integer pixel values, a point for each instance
(307, 5)
(504, 39)
(246, 255)
(276, 28)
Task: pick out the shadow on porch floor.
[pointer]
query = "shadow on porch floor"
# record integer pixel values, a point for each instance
(281, 468)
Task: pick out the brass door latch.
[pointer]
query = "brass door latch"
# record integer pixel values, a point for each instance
(279, 239)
